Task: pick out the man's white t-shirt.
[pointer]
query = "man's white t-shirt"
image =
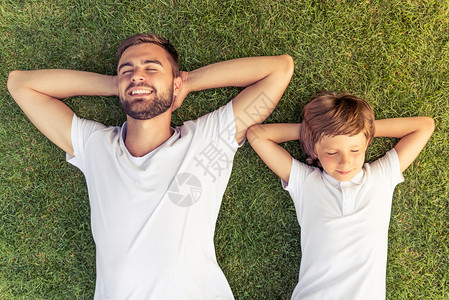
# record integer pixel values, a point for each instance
(344, 229)
(153, 217)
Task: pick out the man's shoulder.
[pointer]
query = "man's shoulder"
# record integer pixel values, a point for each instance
(216, 127)
(85, 129)
(221, 112)
(222, 117)
(82, 123)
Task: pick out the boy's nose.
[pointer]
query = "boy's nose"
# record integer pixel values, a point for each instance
(344, 160)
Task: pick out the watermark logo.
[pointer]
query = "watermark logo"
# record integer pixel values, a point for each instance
(185, 190)
(212, 160)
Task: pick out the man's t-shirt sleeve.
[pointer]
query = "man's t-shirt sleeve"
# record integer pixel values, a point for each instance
(219, 126)
(81, 130)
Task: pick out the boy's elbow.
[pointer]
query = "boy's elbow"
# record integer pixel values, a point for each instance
(425, 127)
(428, 124)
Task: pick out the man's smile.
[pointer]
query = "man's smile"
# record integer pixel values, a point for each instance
(140, 92)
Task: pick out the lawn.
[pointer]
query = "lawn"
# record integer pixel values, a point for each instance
(393, 53)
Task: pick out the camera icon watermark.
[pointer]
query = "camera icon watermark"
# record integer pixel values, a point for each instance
(185, 190)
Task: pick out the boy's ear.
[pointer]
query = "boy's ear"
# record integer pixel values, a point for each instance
(314, 154)
(315, 158)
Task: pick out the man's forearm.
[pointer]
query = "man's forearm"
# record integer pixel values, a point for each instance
(63, 83)
(277, 132)
(38, 93)
(264, 78)
(240, 72)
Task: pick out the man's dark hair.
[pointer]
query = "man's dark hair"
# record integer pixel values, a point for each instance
(142, 38)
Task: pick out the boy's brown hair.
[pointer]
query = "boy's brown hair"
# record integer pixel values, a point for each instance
(142, 38)
(329, 114)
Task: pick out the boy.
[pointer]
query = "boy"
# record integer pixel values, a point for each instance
(342, 204)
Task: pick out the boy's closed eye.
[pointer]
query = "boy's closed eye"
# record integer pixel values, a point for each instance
(333, 153)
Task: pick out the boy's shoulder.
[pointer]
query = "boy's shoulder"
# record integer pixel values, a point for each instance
(303, 167)
(300, 172)
(387, 166)
(389, 159)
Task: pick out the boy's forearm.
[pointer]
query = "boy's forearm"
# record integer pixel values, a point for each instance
(265, 141)
(413, 133)
(385, 128)
(398, 127)
(63, 83)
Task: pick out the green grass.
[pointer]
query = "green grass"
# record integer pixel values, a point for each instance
(393, 53)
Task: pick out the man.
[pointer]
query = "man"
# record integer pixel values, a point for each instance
(154, 191)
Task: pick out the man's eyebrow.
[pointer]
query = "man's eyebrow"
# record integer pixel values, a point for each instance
(145, 62)
(152, 61)
(126, 64)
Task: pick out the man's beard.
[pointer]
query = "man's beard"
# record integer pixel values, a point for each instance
(145, 109)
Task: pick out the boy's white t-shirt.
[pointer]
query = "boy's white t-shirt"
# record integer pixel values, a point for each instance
(153, 217)
(344, 229)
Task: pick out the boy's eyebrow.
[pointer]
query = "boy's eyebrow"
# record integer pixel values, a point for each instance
(355, 145)
(331, 147)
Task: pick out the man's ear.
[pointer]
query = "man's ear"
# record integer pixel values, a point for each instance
(178, 98)
(177, 85)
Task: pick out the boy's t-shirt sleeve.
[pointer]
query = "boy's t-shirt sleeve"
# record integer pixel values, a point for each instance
(81, 130)
(298, 174)
(389, 166)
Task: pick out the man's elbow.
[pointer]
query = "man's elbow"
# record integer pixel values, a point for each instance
(287, 65)
(13, 81)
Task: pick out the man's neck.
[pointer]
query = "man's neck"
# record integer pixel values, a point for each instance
(143, 136)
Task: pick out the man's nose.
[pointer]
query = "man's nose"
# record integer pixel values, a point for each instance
(138, 76)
